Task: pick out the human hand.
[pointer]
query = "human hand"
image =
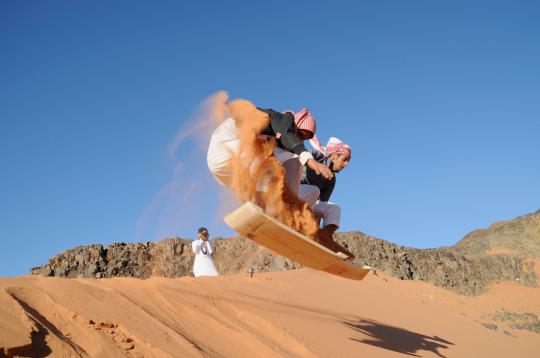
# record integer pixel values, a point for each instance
(320, 169)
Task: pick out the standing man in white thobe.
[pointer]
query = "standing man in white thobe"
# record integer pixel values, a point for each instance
(203, 264)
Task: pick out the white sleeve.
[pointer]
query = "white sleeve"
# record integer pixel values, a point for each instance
(195, 247)
(209, 248)
(304, 157)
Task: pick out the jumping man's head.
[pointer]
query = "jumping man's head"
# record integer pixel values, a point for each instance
(305, 124)
(339, 152)
(339, 161)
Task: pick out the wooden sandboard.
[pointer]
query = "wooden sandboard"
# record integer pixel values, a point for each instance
(250, 221)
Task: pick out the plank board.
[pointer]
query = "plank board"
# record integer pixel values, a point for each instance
(250, 221)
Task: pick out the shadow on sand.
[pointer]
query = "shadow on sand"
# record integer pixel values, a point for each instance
(39, 346)
(397, 339)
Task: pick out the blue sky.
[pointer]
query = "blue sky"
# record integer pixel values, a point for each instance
(439, 101)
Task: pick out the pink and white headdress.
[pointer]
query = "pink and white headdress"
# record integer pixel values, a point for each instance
(334, 145)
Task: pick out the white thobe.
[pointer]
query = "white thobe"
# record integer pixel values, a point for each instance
(203, 264)
(331, 213)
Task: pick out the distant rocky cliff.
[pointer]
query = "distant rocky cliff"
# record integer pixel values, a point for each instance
(521, 235)
(447, 267)
(466, 268)
(171, 257)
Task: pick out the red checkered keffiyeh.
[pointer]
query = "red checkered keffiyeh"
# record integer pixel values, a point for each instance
(305, 120)
(334, 145)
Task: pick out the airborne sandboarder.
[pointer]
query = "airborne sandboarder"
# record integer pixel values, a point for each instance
(336, 155)
(259, 154)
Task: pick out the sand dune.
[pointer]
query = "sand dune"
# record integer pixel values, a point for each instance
(300, 313)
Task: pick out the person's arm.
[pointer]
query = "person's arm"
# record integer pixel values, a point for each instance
(320, 169)
(326, 192)
(318, 156)
(209, 248)
(194, 246)
(281, 126)
(284, 128)
(292, 143)
(316, 166)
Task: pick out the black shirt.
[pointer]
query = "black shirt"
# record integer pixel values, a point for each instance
(310, 177)
(283, 124)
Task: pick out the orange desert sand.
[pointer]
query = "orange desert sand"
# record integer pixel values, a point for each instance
(300, 313)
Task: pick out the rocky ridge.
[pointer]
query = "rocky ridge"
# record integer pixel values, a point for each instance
(466, 268)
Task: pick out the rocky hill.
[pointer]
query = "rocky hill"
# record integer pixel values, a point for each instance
(171, 257)
(445, 267)
(521, 235)
(466, 268)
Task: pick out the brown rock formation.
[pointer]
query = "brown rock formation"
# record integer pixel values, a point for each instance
(467, 268)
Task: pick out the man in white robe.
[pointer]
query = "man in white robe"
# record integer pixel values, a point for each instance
(203, 264)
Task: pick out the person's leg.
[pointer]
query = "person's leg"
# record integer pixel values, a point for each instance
(292, 166)
(309, 193)
(293, 172)
(331, 214)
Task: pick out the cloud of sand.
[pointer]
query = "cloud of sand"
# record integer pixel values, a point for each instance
(192, 193)
(189, 199)
(255, 164)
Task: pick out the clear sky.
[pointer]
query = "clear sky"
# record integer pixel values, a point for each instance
(440, 101)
